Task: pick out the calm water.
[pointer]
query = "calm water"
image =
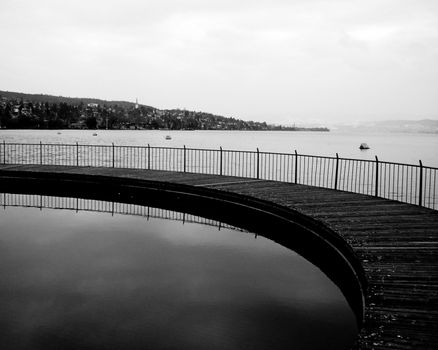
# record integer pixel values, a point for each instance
(91, 280)
(393, 147)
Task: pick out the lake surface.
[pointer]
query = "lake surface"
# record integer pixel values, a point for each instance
(394, 147)
(94, 280)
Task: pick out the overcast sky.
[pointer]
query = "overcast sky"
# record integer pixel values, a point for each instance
(282, 61)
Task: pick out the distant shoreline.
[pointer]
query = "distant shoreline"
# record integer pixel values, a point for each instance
(30, 111)
(129, 129)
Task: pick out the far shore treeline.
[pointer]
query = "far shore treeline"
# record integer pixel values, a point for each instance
(29, 111)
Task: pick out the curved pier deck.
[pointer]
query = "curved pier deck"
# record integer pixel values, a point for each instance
(396, 243)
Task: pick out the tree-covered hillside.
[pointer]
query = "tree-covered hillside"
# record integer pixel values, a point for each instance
(26, 111)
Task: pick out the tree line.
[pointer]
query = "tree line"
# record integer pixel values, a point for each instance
(22, 114)
(26, 111)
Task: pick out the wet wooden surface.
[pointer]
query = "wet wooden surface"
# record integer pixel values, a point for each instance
(397, 244)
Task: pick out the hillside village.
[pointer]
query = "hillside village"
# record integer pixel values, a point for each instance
(23, 111)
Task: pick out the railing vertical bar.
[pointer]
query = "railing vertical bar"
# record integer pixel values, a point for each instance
(207, 162)
(322, 179)
(427, 194)
(393, 180)
(239, 163)
(353, 175)
(274, 167)
(128, 156)
(244, 164)
(344, 168)
(200, 161)
(347, 179)
(368, 183)
(322, 171)
(398, 181)
(376, 184)
(287, 168)
(370, 178)
(309, 172)
(268, 155)
(312, 172)
(220, 161)
(296, 167)
(325, 173)
(434, 188)
(411, 187)
(271, 166)
(317, 169)
(431, 195)
(284, 169)
(336, 172)
(420, 193)
(149, 157)
(113, 154)
(356, 178)
(258, 164)
(249, 164)
(359, 178)
(184, 159)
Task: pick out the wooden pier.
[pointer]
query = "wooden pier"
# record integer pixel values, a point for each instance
(396, 243)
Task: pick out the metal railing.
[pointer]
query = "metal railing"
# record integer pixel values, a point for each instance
(408, 183)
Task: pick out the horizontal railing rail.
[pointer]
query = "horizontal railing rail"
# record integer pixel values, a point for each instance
(408, 183)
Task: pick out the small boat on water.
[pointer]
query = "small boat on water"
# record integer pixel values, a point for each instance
(95, 134)
(364, 146)
(168, 137)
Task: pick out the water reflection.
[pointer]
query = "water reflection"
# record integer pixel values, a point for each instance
(85, 279)
(82, 204)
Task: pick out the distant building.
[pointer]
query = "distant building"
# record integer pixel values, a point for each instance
(78, 125)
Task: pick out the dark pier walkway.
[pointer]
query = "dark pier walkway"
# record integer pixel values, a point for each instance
(396, 243)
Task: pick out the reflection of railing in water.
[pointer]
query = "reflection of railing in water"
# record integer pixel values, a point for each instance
(414, 184)
(91, 205)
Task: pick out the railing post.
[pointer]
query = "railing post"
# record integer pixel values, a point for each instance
(113, 153)
(41, 153)
(296, 166)
(336, 171)
(258, 163)
(4, 152)
(420, 190)
(376, 190)
(77, 154)
(184, 158)
(220, 160)
(149, 157)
